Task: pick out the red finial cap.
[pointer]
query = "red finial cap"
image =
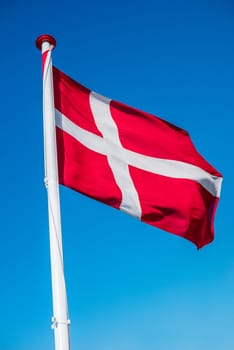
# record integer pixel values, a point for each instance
(45, 37)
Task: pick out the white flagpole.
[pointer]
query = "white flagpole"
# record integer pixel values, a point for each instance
(60, 320)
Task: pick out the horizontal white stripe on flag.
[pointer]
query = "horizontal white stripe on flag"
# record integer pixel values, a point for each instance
(164, 167)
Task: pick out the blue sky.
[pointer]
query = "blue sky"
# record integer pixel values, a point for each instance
(130, 286)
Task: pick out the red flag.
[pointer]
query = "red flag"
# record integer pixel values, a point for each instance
(134, 161)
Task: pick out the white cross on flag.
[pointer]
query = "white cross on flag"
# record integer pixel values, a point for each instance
(134, 161)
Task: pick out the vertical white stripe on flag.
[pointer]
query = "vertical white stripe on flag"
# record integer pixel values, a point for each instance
(100, 107)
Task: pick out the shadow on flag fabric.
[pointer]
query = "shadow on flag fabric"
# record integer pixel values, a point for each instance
(134, 161)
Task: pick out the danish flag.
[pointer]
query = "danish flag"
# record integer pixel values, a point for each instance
(133, 161)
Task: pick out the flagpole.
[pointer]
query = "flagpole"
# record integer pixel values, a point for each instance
(60, 320)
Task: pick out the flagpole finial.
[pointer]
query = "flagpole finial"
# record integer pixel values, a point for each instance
(45, 37)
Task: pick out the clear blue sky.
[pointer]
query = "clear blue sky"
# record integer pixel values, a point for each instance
(130, 286)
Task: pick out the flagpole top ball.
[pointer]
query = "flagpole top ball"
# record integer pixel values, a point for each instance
(45, 37)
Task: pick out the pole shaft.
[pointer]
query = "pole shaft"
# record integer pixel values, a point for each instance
(60, 318)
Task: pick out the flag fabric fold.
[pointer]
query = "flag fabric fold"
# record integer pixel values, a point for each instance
(134, 161)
